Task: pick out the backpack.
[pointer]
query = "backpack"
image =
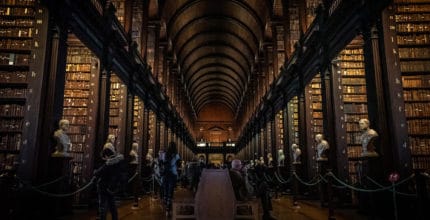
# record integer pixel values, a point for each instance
(165, 167)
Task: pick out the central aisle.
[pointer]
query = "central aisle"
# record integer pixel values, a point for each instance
(151, 209)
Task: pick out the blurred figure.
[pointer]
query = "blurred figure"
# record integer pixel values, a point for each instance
(194, 170)
(238, 180)
(108, 181)
(170, 161)
(133, 164)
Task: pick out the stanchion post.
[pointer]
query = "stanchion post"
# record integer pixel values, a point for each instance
(322, 169)
(60, 166)
(423, 200)
(295, 170)
(366, 199)
(330, 196)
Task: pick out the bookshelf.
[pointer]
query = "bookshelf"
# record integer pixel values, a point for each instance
(412, 19)
(280, 129)
(138, 111)
(137, 22)
(79, 107)
(311, 6)
(351, 76)
(293, 122)
(163, 137)
(151, 132)
(316, 106)
(314, 119)
(294, 35)
(117, 105)
(17, 25)
(120, 10)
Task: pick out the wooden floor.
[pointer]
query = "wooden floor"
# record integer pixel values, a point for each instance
(150, 208)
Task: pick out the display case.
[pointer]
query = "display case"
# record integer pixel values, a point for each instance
(412, 19)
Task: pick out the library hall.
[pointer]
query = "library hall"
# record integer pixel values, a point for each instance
(215, 109)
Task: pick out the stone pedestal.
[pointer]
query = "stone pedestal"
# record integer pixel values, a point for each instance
(60, 167)
(322, 170)
(296, 167)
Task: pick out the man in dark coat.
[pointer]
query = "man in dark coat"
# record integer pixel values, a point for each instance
(108, 181)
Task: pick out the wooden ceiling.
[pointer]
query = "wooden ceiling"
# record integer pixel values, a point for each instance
(216, 43)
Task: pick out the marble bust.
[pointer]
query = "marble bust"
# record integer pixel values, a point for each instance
(134, 156)
(296, 153)
(322, 148)
(110, 142)
(149, 156)
(367, 138)
(63, 141)
(281, 157)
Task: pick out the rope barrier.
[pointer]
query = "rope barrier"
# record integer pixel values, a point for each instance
(282, 181)
(369, 190)
(334, 185)
(282, 178)
(65, 194)
(148, 179)
(267, 178)
(305, 183)
(400, 193)
(51, 182)
(134, 176)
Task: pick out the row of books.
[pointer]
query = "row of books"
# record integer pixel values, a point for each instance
(12, 110)
(417, 109)
(16, 22)
(412, 17)
(13, 93)
(417, 52)
(409, 28)
(18, 2)
(13, 77)
(417, 81)
(420, 146)
(417, 94)
(10, 124)
(413, 8)
(10, 141)
(15, 44)
(17, 11)
(421, 163)
(419, 126)
(14, 59)
(413, 39)
(21, 32)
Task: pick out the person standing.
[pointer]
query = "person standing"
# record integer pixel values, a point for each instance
(170, 175)
(108, 180)
(134, 164)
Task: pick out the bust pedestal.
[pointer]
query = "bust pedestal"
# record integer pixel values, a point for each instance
(59, 166)
(296, 167)
(322, 170)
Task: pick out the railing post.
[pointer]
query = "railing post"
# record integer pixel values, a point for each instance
(295, 170)
(330, 196)
(423, 200)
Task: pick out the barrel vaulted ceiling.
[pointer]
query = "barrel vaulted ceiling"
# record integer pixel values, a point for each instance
(216, 43)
